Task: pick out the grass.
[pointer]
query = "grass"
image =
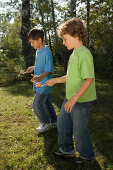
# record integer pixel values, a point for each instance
(21, 146)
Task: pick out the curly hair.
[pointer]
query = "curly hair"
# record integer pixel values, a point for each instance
(74, 27)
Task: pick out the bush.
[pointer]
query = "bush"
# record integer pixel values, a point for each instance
(10, 68)
(103, 64)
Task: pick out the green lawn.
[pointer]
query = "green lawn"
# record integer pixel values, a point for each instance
(21, 147)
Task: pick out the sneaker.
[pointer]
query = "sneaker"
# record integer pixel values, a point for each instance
(43, 127)
(54, 125)
(80, 160)
(61, 153)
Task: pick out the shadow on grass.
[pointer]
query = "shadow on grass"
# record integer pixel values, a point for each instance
(50, 145)
(22, 86)
(100, 122)
(18, 88)
(101, 128)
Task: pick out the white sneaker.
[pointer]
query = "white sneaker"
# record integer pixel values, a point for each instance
(43, 127)
(54, 125)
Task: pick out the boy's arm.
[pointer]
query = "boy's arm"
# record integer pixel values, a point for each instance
(84, 87)
(53, 81)
(35, 78)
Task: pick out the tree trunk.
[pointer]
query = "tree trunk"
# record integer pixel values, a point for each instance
(25, 28)
(59, 52)
(54, 23)
(88, 11)
(73, 8)
(68, 52)
(43, 24)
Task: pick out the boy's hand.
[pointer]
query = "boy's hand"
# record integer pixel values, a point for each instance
(21, 71)
(69, 104)
(35, 78)
(50, 82)
(30, 69)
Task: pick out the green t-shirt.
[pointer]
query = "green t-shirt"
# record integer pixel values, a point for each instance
(80, 67)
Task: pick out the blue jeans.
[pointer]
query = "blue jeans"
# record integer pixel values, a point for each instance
(75, 123)
(44, 109)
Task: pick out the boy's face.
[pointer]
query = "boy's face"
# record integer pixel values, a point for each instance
(35, 43)
(69, 41)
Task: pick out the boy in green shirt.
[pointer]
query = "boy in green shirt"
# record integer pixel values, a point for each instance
(80, 94)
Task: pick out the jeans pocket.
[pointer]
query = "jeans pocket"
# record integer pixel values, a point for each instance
(86, 106)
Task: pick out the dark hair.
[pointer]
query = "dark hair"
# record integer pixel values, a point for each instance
(74, 27)
(36, 33)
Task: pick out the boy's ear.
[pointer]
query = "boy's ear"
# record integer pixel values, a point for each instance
(76, 36)
(39, 40)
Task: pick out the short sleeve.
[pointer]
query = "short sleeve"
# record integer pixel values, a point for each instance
(86, 65)
(49, 62)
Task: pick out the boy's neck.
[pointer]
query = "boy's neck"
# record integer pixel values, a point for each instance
(41, 46)
(78, 45)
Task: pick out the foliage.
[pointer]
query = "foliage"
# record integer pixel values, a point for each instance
(48, 14)
(25, 28)
(11, 42)
(11, 60)
(101, 34)
(10, 68)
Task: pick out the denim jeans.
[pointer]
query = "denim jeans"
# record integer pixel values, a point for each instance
(44, 109)
(75, 123)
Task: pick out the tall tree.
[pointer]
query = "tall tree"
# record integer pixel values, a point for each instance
(26, 48)
(102, 34)
(67, 52)
(54, 21)
(73, 8)
(40, 14)
(58, 49)
(88, 20)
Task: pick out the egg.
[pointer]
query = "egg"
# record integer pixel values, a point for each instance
(38, 85)
(21, 71)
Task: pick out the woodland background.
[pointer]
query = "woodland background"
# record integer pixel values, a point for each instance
(18, 17)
